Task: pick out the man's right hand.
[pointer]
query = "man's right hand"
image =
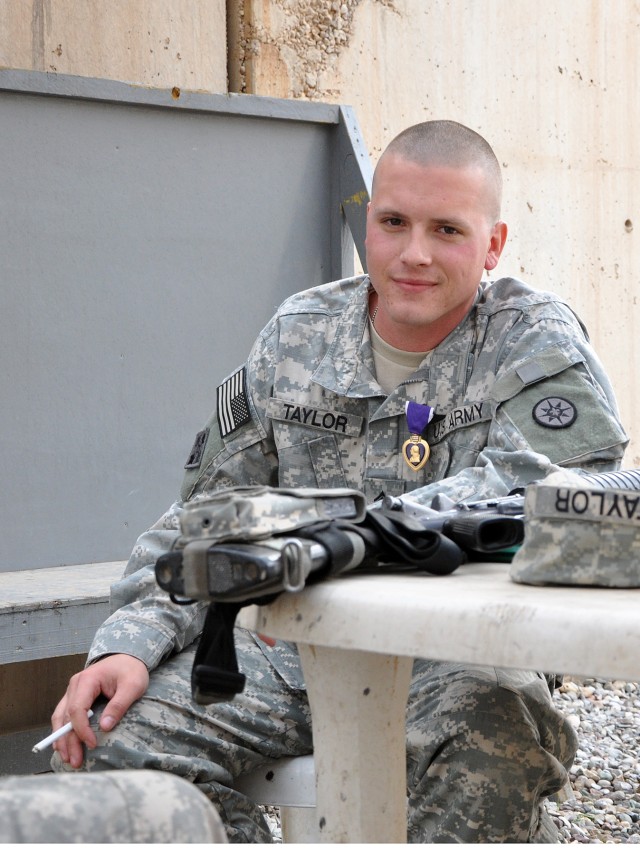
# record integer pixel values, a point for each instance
(120, 678)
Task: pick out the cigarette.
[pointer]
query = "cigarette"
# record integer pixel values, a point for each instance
(49, 740)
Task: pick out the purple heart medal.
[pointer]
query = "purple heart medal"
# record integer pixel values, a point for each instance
(416, 450)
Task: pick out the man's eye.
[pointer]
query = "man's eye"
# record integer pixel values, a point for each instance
(449, 230)
(392, 221)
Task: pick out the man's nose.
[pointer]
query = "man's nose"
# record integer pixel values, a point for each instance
(417, 248)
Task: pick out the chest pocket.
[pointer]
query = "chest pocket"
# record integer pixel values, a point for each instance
(310, 462)
(307, 438)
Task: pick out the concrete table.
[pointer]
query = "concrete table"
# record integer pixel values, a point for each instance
(358, 637)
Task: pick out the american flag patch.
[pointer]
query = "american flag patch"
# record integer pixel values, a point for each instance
(233, 407)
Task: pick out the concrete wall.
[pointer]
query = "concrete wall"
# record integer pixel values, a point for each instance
(553, 86)
(159, 43)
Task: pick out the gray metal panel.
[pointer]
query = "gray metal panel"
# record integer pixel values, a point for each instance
(355, 176)
(142, 248)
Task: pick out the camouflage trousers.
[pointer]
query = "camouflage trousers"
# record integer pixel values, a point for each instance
(484, 746)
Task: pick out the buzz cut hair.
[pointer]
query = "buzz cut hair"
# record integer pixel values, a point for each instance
(443, 142)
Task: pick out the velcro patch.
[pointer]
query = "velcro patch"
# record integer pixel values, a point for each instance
(588, 505)
(461, 417)
(310, 416)
(195, 455)
(232, 404)
(573, 420)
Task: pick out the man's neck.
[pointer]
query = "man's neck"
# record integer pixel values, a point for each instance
(393, 366)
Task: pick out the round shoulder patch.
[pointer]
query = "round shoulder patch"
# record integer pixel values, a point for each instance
(555, 412)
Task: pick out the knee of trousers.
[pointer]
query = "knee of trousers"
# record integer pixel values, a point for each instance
(486, 729)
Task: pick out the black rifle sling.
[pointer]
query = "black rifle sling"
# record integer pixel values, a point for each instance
(214, 675)
(339, 548)
(402, 538)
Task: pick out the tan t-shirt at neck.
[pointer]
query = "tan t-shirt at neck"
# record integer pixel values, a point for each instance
(392, 365)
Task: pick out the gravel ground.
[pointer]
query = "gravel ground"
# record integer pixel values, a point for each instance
(605, 778)
(605, 804)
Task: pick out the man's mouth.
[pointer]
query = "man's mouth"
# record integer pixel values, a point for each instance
(406, 282)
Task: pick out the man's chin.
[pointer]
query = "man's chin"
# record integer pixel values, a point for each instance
(415, 318)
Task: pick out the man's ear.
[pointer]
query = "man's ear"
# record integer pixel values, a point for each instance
(496, 245)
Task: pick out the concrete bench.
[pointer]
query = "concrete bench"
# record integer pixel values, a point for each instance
(290, 785)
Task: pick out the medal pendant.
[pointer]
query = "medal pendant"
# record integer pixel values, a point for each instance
(416, 452)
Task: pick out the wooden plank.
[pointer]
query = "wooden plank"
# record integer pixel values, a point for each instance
(29, 691)
(53, 611)
(49, 587)
(51, 631)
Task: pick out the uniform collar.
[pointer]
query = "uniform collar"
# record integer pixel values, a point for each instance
(347, 367)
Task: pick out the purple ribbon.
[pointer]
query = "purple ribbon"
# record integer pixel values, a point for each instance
(418, 416)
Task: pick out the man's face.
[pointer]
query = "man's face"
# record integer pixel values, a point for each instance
(430, 235)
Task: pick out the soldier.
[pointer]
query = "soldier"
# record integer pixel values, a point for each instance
(504, 389)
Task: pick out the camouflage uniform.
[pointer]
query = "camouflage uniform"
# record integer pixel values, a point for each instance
(116, 807)
(517, 392)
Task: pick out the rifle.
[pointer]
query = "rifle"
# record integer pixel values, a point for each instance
(395, 537)
(484, 526)
(399, 536)
(231, 553)
(210, 562)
